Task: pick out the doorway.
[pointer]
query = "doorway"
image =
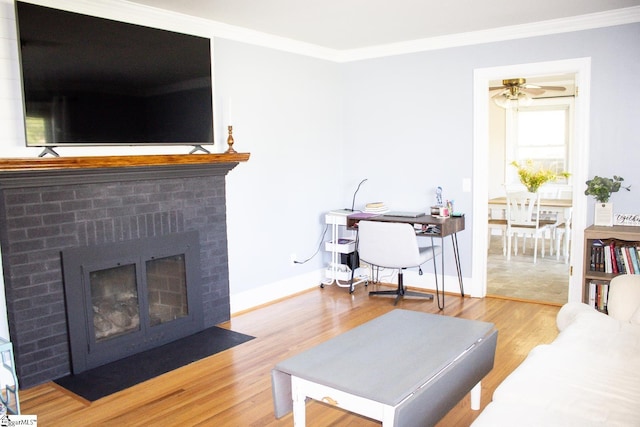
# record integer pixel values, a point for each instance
(535, 130)
(579, 161)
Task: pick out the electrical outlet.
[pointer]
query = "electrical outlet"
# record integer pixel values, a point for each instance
(292, 258)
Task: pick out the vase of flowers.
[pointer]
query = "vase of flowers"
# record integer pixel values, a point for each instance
(601, 189)
(533, 177)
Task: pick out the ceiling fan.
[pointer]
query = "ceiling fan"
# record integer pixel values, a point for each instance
(518, 91)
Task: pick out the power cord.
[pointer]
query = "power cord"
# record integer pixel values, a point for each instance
(376, 277)
(324, 233)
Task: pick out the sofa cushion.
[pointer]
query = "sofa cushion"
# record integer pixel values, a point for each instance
(624, 296)
(635, 319)
(569, 312)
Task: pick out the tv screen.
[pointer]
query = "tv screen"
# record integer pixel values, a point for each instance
(94, 81)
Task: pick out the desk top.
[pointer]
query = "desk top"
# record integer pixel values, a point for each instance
(446, 226)
(402, 349)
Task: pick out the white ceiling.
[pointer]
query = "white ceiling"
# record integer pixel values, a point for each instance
(354, 24)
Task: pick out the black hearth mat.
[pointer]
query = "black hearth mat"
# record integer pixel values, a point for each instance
(121, 374)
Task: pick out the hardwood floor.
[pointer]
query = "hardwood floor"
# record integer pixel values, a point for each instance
(233, 388)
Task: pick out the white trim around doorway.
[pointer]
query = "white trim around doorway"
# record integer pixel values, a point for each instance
(581, 67)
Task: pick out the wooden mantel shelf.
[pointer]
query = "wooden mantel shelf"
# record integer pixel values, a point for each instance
(38, 172)
(99, 162)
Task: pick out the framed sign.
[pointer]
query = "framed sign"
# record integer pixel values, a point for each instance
(627, 219)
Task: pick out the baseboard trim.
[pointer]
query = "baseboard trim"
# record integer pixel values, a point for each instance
(271, 292)
(274, 291)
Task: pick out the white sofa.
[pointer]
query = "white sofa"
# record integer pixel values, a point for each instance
(588, 376)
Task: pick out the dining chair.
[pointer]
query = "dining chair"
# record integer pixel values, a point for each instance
(523, 219)
(545, 193)
(549, 217)
(395, 245)
(562, 227)
(498, 221)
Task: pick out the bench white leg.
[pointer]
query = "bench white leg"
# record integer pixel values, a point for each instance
(388, 416)
(299, 400)
(475, 397)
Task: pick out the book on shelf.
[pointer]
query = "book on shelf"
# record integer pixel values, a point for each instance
(614, 262)
(608, 265)
(376, 207)
(627, 261)
(598, 295)
(594, 259)
(619, 262)
(614, 257)
(633, 254)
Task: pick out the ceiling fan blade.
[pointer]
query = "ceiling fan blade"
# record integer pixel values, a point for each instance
(496, 88)
(558, 88)
(532, 91)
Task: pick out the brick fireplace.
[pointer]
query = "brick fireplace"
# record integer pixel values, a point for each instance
(54, 204)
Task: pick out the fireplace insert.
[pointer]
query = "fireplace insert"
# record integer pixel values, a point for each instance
(130, 296)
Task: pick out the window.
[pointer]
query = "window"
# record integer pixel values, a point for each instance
(36, 128)
(541, 132)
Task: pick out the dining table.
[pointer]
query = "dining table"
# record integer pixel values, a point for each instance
(562, 207)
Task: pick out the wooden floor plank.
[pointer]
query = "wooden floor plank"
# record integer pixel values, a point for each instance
(233, 388)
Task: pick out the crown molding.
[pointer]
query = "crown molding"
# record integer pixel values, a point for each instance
(536, 29)
(555, 26)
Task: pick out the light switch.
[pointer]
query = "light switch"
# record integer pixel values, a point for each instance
(466, 185)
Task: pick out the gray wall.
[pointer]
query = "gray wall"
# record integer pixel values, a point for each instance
(410, 118)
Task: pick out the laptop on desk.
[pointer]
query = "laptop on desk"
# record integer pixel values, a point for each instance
(404, 214)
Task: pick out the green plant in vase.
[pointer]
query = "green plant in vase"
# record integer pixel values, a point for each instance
(602, 188)
(533, 177)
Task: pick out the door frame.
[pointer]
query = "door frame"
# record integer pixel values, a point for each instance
(581, 67)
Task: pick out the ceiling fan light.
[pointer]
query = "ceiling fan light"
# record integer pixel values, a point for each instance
(524, 100)
(502, 101)
(513, 100)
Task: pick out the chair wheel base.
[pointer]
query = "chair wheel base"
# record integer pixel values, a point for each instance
(399, 293)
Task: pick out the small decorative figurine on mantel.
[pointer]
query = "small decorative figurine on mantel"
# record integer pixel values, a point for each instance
(230, 140)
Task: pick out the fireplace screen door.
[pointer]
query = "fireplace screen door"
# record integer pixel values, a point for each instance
(114, 296)
(114, 302)
(127, 297)
(166, 289)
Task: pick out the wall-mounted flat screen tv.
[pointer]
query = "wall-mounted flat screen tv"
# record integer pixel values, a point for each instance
(93, 81)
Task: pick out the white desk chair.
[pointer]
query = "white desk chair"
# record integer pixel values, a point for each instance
(523, 219)
(394, 245)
